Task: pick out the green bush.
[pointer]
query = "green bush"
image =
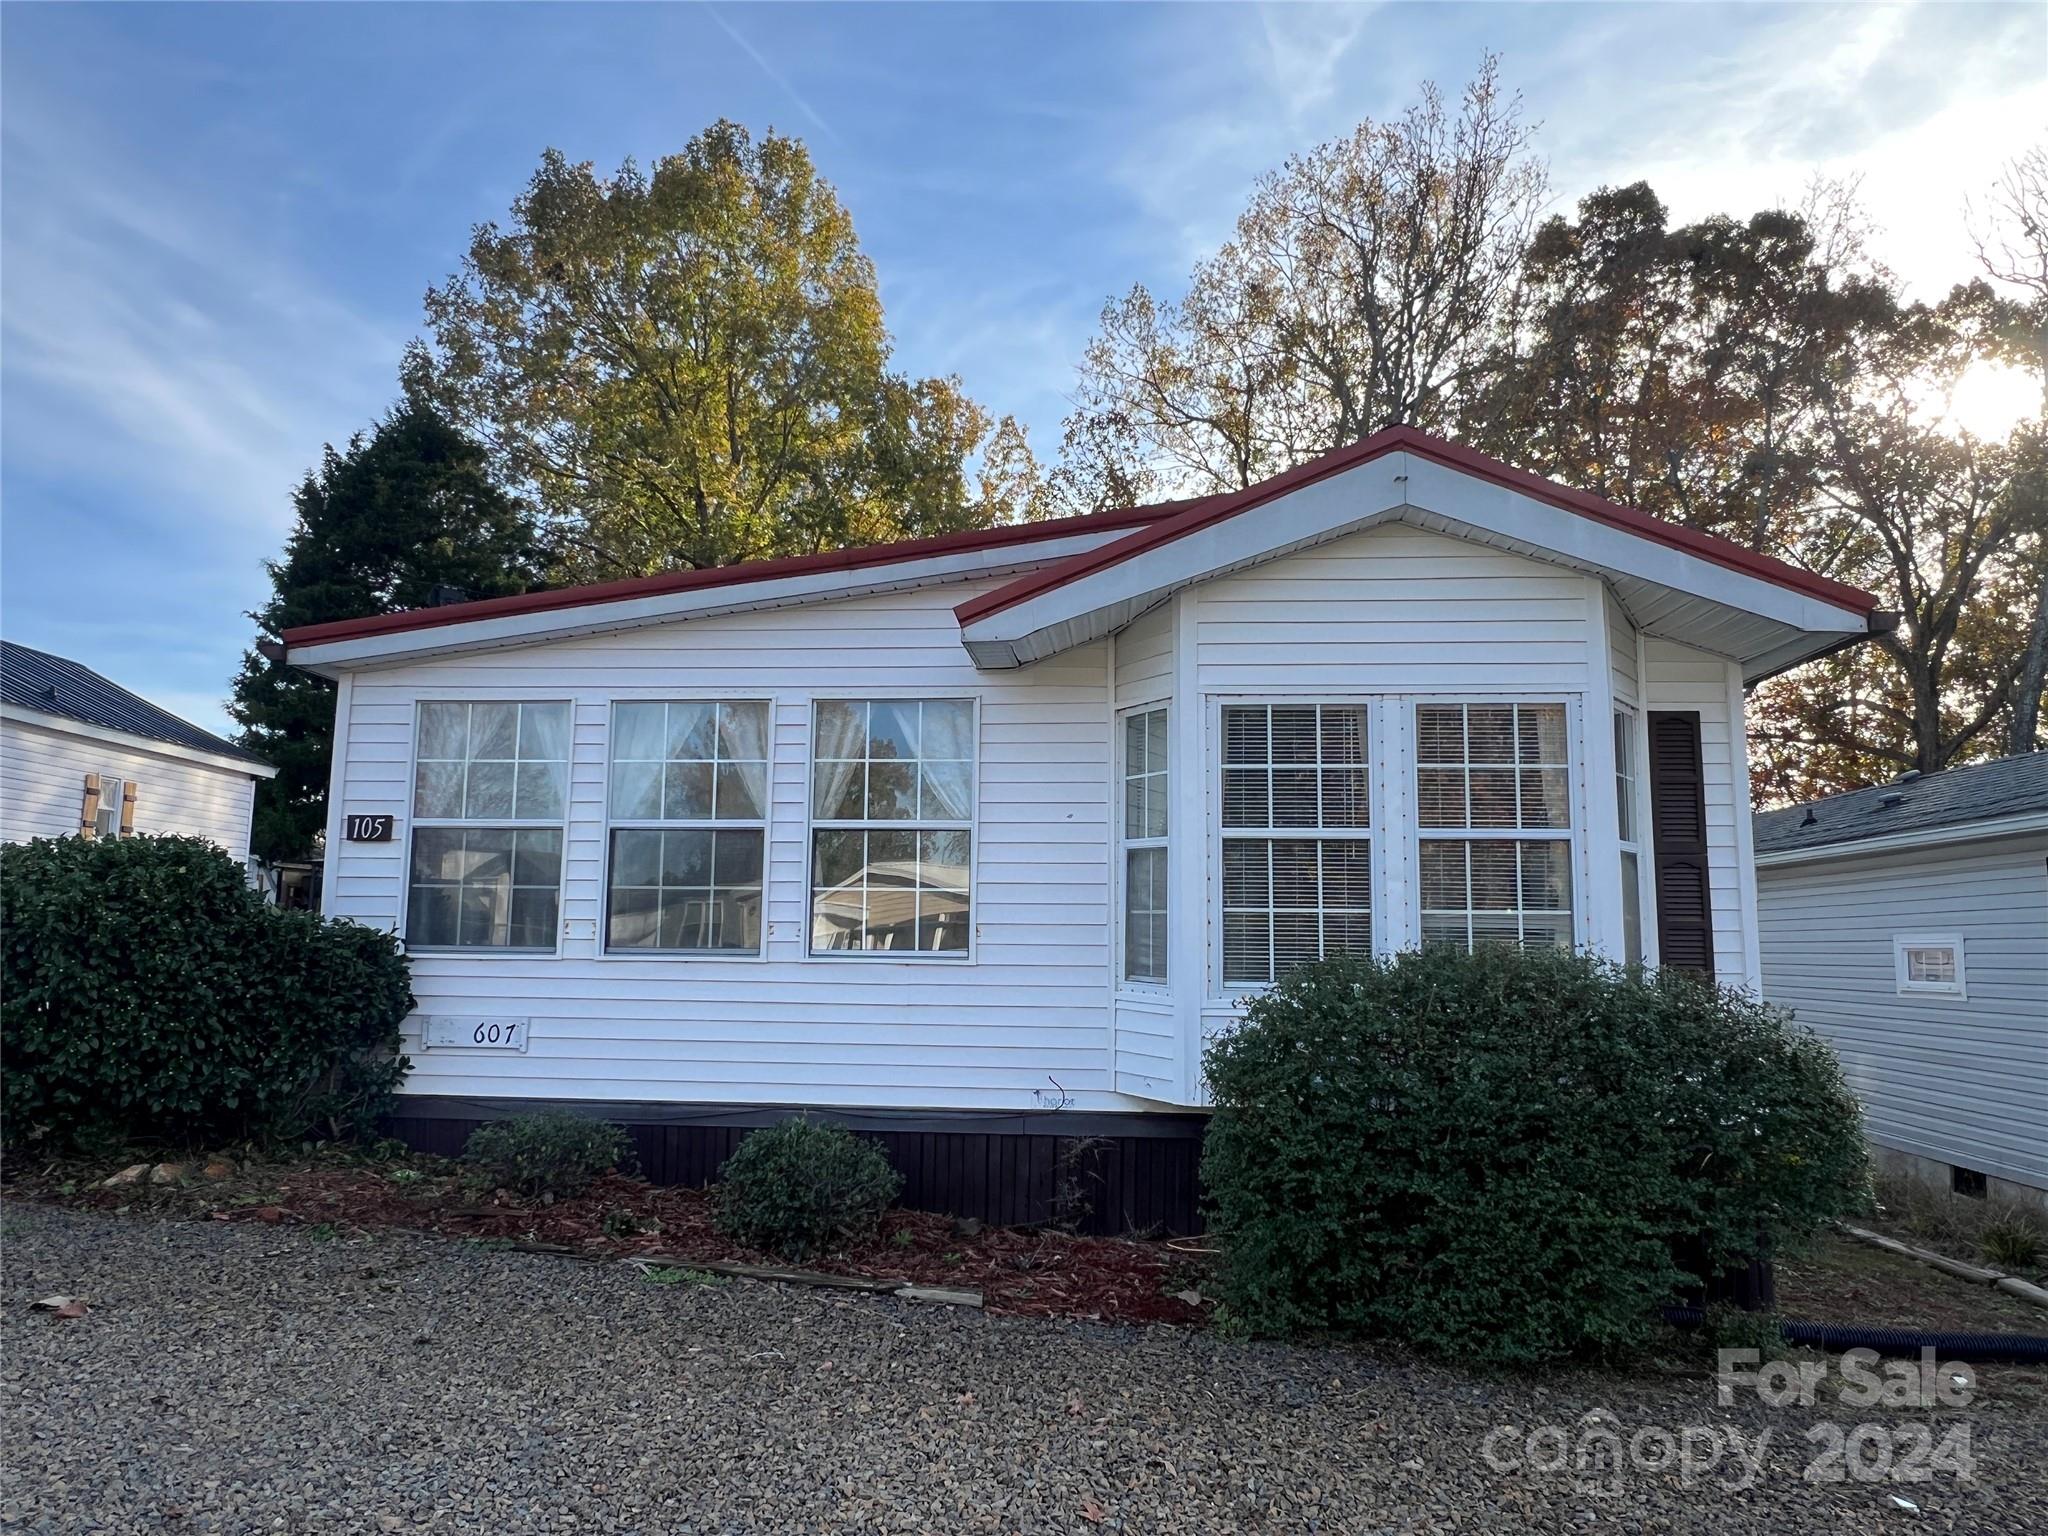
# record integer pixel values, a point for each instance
(1516, 1157)
(147, 993)
(799, 1187)
(547, 1154)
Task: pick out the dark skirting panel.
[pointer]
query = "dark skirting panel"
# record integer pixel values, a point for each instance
(1107, 1174)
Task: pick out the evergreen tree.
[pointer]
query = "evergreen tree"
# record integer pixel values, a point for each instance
(380, 526)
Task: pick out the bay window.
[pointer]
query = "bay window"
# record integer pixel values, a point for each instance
(1296, 838)
(892, 826)
(1146, 784)
(1493, 803)
(490, 790)
(688, 825)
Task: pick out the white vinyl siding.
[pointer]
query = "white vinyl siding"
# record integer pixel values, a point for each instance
(1621, 652)
(1955, 1078)
(786, 1028)
(42, 788)
(1395, 610)
(1144, 657)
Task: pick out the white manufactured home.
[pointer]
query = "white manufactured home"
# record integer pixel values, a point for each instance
(82, 756)
(1908, 923)
(973, 842)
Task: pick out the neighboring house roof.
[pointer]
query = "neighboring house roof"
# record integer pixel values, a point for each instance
(43, 684)
(1073, 579)
(1924, 807)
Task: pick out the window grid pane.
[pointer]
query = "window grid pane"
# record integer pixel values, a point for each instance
(1492, 766)
(491, 761)
(1625, 775)
(689, 781)
(484, 887)
(1486, 777)
(1297, 850)
(683, 760)
(892, 803)
(473, 884)
(1145, 815)
(1496, 890)
(685, 889)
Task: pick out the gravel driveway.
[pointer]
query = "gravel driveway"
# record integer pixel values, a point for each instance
(242, 1378)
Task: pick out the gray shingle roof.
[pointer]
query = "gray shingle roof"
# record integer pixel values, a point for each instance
(2010, 786)
(32, 679)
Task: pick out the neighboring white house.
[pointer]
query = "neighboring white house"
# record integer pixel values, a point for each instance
(975, 840)
(79, 754)
(1908, 923)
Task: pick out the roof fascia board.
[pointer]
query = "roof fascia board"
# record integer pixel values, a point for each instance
(332, 657)
(1508, 513)
(66, 725)
(1380, 488)
(1919, 837)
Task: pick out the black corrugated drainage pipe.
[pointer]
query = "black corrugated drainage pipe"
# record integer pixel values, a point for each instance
(1996, 1348)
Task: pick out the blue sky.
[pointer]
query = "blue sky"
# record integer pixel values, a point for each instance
(216, 222)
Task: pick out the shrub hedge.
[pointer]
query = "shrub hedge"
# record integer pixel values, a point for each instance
(147, 993)
(1514, 1157)
(800, 1187)
(546, 1154)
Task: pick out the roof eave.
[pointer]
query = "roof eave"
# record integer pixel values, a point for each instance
(252, 767)
(1917, 837)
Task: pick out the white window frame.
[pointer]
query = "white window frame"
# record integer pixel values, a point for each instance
(813, 824)
(1125, 843)
(414, 822)
(1220, 988)
(1904, 943)
(1629, 800)
(1575, 778)
(765, 826)
(109, 805)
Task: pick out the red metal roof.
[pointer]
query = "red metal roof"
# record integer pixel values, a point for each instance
(1215, 509)
(727, 575)
(1154, 525)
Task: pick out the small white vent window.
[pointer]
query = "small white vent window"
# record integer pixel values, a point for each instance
(1929, 963)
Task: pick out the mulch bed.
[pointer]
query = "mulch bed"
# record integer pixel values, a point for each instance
(1022, 1272)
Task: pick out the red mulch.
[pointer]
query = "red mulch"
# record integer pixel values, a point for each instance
(1021, 1272)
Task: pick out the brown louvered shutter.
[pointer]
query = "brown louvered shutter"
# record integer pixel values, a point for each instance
(128, 808)
(89, 811)
(1678, 821)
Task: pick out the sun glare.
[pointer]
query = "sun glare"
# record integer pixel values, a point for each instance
(1990, 400)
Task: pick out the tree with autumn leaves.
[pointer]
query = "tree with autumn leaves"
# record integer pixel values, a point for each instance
(1763, 379)
(687, 366)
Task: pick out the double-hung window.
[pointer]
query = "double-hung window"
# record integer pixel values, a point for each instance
(1144, 838)
(490, 787)
(892, 826)
(1625, 827)
(1297, 844)
(689, 818)
(106, 820)
(1493, 801)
